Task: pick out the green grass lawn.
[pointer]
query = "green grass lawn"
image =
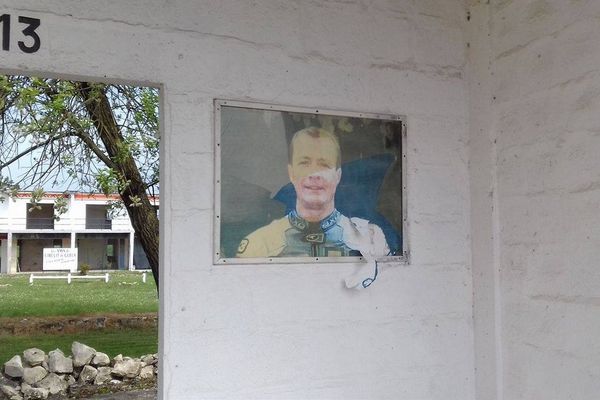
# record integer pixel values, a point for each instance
(130, 342)
(123, 294)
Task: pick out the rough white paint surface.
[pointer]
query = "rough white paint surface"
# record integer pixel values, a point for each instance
(484, 225)
(293, 331)
(542, 96)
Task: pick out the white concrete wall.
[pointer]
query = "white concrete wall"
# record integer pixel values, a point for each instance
(13, 216)
(484, 224)
(537, 83)
(293, 331)
(13, 219)
(547, 89)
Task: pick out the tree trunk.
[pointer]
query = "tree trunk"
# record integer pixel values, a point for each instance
(141, 213)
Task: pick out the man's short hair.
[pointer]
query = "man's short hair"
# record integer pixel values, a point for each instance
(316, 133)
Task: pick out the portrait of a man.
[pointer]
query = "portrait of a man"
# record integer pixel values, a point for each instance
(297, 185)
(314, 228)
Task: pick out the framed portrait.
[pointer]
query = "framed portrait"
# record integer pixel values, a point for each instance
(298, 185)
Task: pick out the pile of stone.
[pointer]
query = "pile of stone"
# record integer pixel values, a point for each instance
(38, 375)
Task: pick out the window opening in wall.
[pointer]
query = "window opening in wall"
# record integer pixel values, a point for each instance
(40, 216)
(18, 254)
(81, 160)
(97, 217)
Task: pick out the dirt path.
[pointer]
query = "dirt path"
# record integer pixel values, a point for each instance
(136, 395)
(52, 325)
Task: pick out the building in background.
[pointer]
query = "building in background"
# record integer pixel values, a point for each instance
(105, 240)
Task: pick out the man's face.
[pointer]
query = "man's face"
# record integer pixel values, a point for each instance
(313, 171)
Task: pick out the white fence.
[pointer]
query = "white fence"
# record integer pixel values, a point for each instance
(69, 277)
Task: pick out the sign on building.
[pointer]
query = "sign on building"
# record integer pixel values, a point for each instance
(60, 259)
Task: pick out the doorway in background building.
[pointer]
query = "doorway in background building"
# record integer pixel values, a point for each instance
(30, 249)
(103, 251)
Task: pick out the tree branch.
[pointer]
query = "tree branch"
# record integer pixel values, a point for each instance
(33, 148)
(97, 151)
(153, 183)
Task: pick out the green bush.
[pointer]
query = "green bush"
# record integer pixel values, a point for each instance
(84, 269)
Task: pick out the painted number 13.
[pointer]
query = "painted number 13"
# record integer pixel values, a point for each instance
(31, 25)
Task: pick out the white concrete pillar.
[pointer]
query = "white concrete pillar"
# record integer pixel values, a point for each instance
(7, 255)
(11, 262)
(73, 239)
(3, 257)
(71, 215)
(131, 246)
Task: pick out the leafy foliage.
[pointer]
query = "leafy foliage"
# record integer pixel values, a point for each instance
(84, 136)
(84, 269)
(49, 140)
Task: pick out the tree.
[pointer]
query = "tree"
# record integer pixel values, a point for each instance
(95, 136)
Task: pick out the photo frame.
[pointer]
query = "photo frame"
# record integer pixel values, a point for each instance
(302, 185)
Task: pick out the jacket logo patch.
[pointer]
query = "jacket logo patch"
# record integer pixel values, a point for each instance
(243, 245)
(315, 238)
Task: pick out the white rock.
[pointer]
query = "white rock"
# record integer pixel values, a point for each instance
(127, 368)
(12, 393)
(7, 381)
(101, 360)
(14, 367)
(34, 374)
(34, 357)
(117, 359)
(58, 363)
(149, 359)
(103, 376)
(82, 354)
(147, 372)
(54, 383)
(88, 374)
(31, 393)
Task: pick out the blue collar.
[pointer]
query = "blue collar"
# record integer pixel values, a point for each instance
(301, 224)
